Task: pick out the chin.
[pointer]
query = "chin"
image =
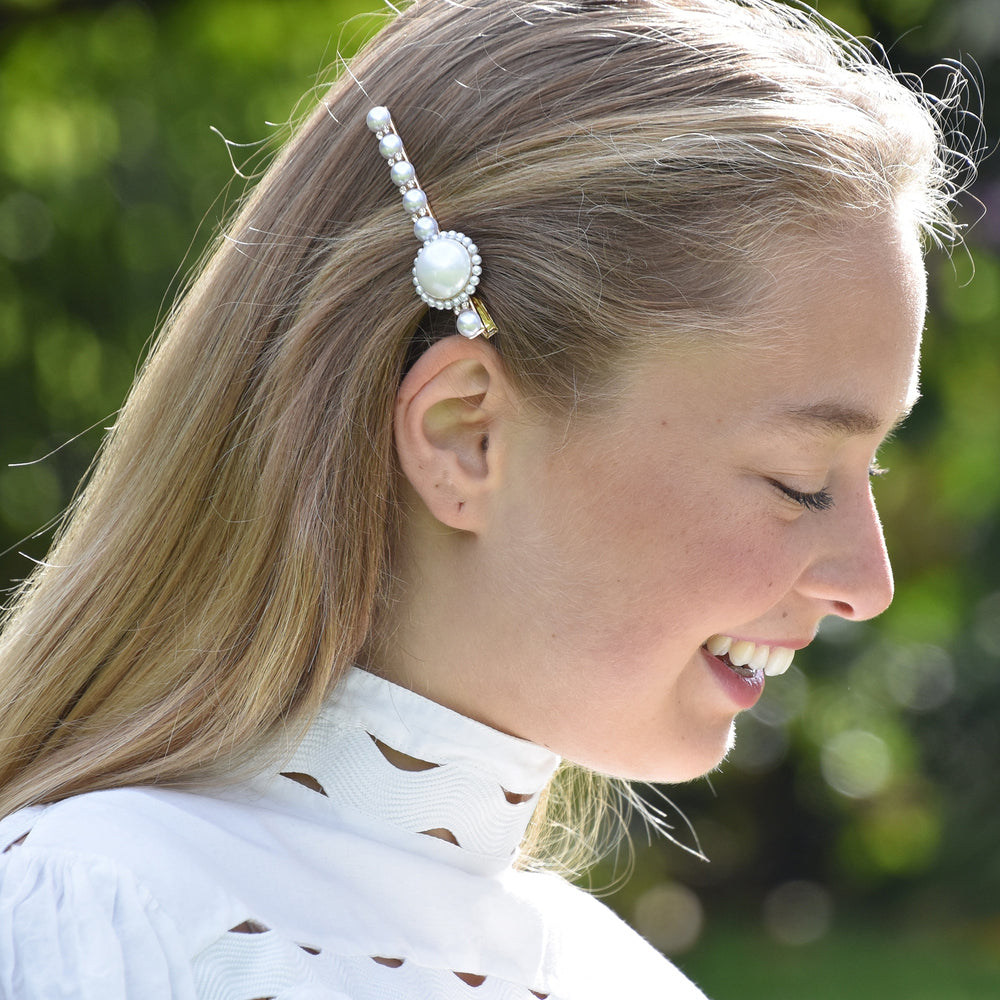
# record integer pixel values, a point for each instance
(696, 761)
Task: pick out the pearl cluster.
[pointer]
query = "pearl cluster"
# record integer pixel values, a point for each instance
(447, 267)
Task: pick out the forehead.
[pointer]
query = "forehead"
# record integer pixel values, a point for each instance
(831, 346)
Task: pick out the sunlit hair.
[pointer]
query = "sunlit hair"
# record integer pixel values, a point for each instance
(626, 169)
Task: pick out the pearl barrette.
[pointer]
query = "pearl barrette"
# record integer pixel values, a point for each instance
(447, 267)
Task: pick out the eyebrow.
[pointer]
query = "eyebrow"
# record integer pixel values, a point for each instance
(836, 418)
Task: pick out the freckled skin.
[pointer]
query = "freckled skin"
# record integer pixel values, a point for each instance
(575, 615)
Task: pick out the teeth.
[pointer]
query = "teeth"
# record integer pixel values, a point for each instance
(740, 653)
(718, 645)
(773, 660)
(779, 661)
(758, 659)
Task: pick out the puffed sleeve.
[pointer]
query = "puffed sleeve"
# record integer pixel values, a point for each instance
(74, 927)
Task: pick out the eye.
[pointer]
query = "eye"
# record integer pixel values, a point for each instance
(818, 501)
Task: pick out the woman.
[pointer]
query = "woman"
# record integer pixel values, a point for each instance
(345, 585)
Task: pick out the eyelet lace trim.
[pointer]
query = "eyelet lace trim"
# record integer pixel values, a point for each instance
(252, 962)
(16, 843)
(453, 801)
(359, 756)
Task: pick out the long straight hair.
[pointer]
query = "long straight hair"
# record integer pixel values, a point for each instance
(626, 167)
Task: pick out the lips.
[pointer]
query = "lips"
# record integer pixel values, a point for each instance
(744, 656)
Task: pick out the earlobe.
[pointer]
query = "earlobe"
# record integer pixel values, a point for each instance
(446, 419)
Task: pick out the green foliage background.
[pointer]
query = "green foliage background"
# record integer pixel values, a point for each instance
(854, 832)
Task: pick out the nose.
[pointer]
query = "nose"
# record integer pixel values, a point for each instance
(850, 573)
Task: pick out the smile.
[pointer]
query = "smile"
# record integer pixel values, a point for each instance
(747, 657)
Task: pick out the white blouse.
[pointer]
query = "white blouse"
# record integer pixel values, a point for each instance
(348, 874)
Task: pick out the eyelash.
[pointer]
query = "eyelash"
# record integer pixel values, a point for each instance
(821, 500)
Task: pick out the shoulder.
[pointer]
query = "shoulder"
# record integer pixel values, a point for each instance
(584, 932)
(156, 836)
(137, 893)
(83, 927)
(99, 897)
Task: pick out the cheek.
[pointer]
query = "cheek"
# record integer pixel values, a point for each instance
(621, 560)
(696, 565)
(631, 571)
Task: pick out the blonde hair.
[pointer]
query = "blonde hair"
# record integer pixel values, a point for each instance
(625, 167)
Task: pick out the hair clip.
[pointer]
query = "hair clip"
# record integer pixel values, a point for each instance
(447, 267)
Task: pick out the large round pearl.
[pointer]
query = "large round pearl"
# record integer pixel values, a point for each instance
(443, 267)
(378, 119)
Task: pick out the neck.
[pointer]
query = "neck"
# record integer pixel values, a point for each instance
(385, 754)
(440, 636)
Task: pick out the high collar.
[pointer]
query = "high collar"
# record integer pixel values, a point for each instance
(466, 782)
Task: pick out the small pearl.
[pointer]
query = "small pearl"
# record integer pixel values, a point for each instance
(414, 201)
(390, 146)
(425, 228)
(378, 119)
(469, 324)
(402, 173)
(443, 268)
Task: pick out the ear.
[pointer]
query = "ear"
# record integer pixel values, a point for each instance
(448, 410)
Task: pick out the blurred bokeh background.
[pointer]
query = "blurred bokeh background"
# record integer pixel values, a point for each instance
(854, 835)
